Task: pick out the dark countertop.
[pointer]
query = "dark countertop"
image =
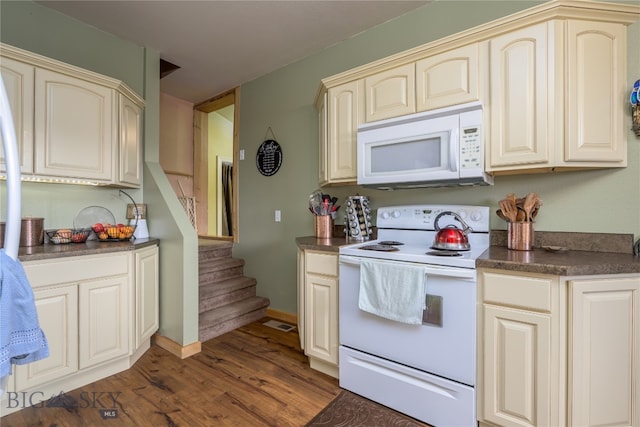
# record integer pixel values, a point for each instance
(90, 247)
(617, 257)
(328, 245)
(570, 263)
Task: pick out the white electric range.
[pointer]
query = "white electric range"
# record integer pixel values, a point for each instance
(426, 371)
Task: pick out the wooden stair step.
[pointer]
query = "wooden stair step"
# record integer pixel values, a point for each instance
(216, 250)
(221, 320)
(228, 291)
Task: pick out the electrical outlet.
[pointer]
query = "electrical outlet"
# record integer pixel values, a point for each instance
(241, 154)
(278, 216)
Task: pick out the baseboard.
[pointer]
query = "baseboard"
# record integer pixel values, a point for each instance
(176, 349)
(282, 316)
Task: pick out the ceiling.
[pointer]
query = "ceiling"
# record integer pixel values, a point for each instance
(222, 44)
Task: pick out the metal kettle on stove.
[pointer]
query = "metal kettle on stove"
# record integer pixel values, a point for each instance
(451, 238)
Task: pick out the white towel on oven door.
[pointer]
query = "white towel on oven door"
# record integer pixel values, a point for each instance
(395, 291)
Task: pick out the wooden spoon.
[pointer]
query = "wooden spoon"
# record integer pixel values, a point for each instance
(509, 209)
(529, 204)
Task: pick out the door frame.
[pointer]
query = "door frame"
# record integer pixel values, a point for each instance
(201, 167)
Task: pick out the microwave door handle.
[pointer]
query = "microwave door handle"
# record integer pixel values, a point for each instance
(454, 151)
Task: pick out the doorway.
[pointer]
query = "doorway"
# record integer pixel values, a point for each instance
(216, 166)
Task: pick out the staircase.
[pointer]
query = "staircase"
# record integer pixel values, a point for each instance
(227, 298)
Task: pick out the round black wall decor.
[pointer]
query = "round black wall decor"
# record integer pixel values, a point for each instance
(269, 157)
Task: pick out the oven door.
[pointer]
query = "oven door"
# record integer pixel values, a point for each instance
(444, 345)
(422, 151)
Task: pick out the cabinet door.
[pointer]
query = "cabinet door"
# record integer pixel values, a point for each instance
(58, 317)
(605, 356)
(519, 67)
(301, 297)
(130, 153)
(321, 317)
(147, 312)
(74, 122)
(104, 320)
(323, 140)
(448, 78)
(391, 93)
(344, 116)
(516, 367)
(596, 72)
(18, 79)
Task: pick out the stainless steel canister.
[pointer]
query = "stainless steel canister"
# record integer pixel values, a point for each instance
(32, 231)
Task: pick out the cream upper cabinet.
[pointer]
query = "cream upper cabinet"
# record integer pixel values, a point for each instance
(595, 81)
(448, 78)
(18, 79)
(555, 98)
(74, 124)
(130, 142)
(604, 361)
(519, 130)
(344, 112)
(390, 93)
(321, 311)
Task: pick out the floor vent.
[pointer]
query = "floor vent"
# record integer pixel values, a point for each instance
(279, 325)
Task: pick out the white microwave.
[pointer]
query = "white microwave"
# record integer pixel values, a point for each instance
(437, 148)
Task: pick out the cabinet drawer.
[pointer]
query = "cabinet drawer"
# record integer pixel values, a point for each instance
(320, 263)
(76, 269)
(517, 290)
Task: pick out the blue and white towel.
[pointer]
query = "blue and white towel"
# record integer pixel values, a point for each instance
(21, 339)
(395, 291)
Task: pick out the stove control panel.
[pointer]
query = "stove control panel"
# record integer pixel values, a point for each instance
(422, 217)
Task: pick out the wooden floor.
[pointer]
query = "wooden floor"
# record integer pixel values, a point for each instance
(254, 376)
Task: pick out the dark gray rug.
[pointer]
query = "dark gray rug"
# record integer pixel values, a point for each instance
(351, 410)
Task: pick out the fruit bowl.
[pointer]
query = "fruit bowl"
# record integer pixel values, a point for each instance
(68, 235)
(113, 233)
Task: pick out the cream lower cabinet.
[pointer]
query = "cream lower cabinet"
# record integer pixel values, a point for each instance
(557, 351)
(321, 340)
(521, 375)
(147, 315)
(301, 296)
(58, 316)
(604, 352)
(97, 312)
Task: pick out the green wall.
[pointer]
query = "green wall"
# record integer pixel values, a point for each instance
(593, 201)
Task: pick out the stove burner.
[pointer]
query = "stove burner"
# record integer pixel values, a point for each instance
(381, 248)
(444, 252)
(391, 243)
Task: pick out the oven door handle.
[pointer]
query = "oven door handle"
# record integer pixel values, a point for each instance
(432, 270)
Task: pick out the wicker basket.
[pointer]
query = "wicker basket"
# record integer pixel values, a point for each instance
(68, 235)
